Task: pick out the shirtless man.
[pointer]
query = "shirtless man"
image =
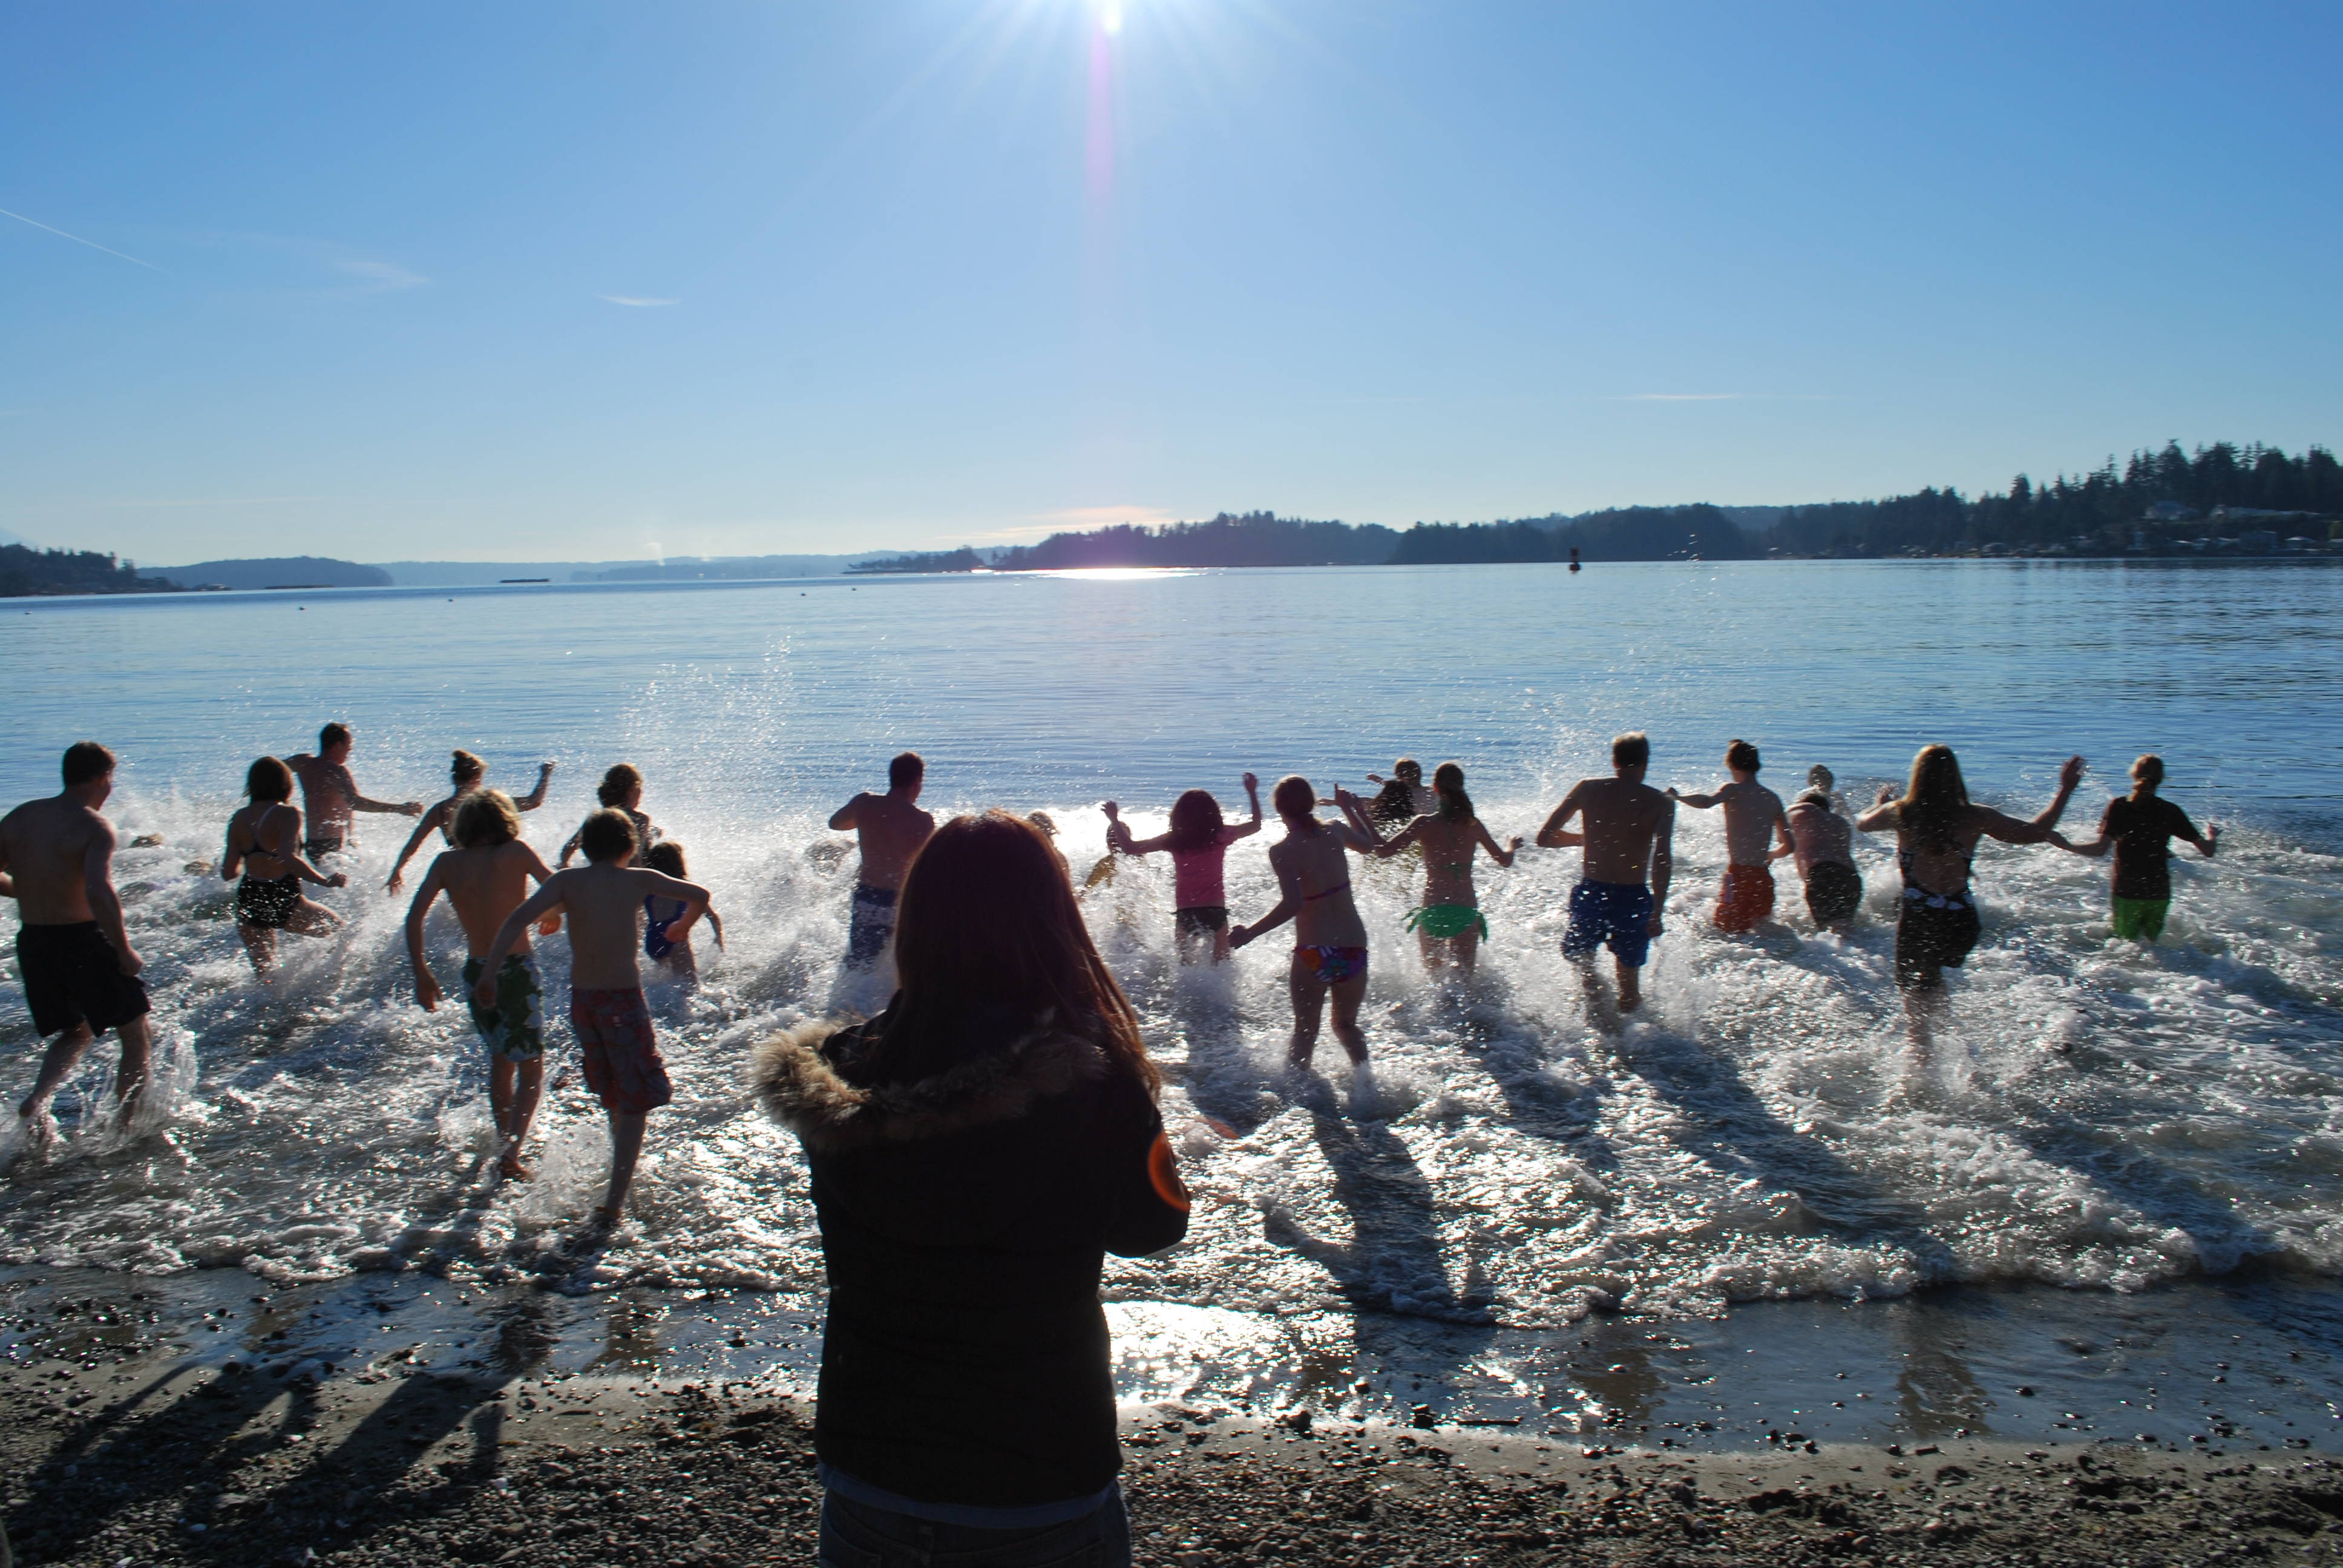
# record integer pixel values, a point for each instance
(1753, 814)
(604, 898)
(1825, 847)
(891, 828)
(80, 972)
(329, 795)
(1629, 834)
(486, 879)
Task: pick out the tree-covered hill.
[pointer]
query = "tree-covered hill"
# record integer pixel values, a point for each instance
(25, 570)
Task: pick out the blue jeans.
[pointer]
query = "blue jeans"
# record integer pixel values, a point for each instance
(857, 1535)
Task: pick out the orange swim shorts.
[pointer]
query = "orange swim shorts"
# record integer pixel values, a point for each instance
(623, 1066)
(1745, 899)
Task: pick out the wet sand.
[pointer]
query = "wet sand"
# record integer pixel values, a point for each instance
(123, 1446)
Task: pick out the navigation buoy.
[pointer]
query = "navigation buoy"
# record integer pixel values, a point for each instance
(1574, 557)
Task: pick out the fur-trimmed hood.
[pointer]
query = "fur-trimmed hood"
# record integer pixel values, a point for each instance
(799, 1088)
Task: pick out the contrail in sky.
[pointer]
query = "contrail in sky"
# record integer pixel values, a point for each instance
(77, 239)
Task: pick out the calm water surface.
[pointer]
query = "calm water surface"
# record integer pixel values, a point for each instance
(2106, 1117)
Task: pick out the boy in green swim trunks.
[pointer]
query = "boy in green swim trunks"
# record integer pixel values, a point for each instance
(2140, 827)
(485, 877)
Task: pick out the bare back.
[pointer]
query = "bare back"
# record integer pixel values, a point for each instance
(1752, 812)
(264, 836)
(329, 792)
(1448, 851)
(1313, 870)
(48, 845)
(603, 903)
(890, 830)
(486, 884)
(1622, 820)
(1822, 835)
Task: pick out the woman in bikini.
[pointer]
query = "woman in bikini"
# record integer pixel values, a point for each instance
(1936, 833)
(264, 843)
(1199, 844)
(1449, 916)
(467, 775)
(1330, 952)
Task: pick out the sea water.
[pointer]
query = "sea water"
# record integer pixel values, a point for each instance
(2102, 1116)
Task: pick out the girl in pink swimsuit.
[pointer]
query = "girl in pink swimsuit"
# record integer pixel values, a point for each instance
(1198, 843)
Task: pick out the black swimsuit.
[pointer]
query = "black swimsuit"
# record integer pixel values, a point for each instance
(1935, 931)
(267, 903)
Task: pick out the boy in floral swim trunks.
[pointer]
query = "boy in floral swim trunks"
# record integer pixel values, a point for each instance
(1629, 828)
(603, 898)
(485, 877)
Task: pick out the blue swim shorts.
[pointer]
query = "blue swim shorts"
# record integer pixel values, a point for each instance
(1616, 915)
(871, 927)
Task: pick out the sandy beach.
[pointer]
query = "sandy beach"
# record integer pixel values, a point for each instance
(124, 1450)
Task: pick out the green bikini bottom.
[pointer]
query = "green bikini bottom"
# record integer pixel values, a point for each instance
(1442, 923)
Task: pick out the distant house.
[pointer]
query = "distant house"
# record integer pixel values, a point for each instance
(2171, 512)
(2258, 541)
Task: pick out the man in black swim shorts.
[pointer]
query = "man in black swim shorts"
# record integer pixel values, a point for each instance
(81, 975)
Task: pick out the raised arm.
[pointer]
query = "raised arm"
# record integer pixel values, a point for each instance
(2010, 830)
(430, 823)
(1551, 835)
(1503, 857)
(1364, 836)
(427, 988)
(98, 886)
(1882, 814)
(1253, 795)
(535, 797)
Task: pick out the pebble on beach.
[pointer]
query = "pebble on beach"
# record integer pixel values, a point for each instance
(165, 1460)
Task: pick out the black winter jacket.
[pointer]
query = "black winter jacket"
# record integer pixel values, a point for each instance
(965, 1218)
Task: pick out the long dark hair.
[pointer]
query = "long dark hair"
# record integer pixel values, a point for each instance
(1196, 821)
(1448, 783)
(1930, 810)
(268, 779)
(986, 918)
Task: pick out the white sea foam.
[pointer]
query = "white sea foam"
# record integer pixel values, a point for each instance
(2100, 1115)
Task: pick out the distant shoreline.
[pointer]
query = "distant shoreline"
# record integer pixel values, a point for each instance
(2279, 558)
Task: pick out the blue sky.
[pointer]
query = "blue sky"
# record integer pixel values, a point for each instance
(575, 281)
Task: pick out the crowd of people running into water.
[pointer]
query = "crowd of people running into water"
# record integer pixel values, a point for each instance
(978, 1147)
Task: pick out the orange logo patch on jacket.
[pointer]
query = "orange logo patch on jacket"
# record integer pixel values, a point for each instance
(1163, 1172)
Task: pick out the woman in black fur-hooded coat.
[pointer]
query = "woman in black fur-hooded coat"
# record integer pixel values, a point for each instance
(975, 1151)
